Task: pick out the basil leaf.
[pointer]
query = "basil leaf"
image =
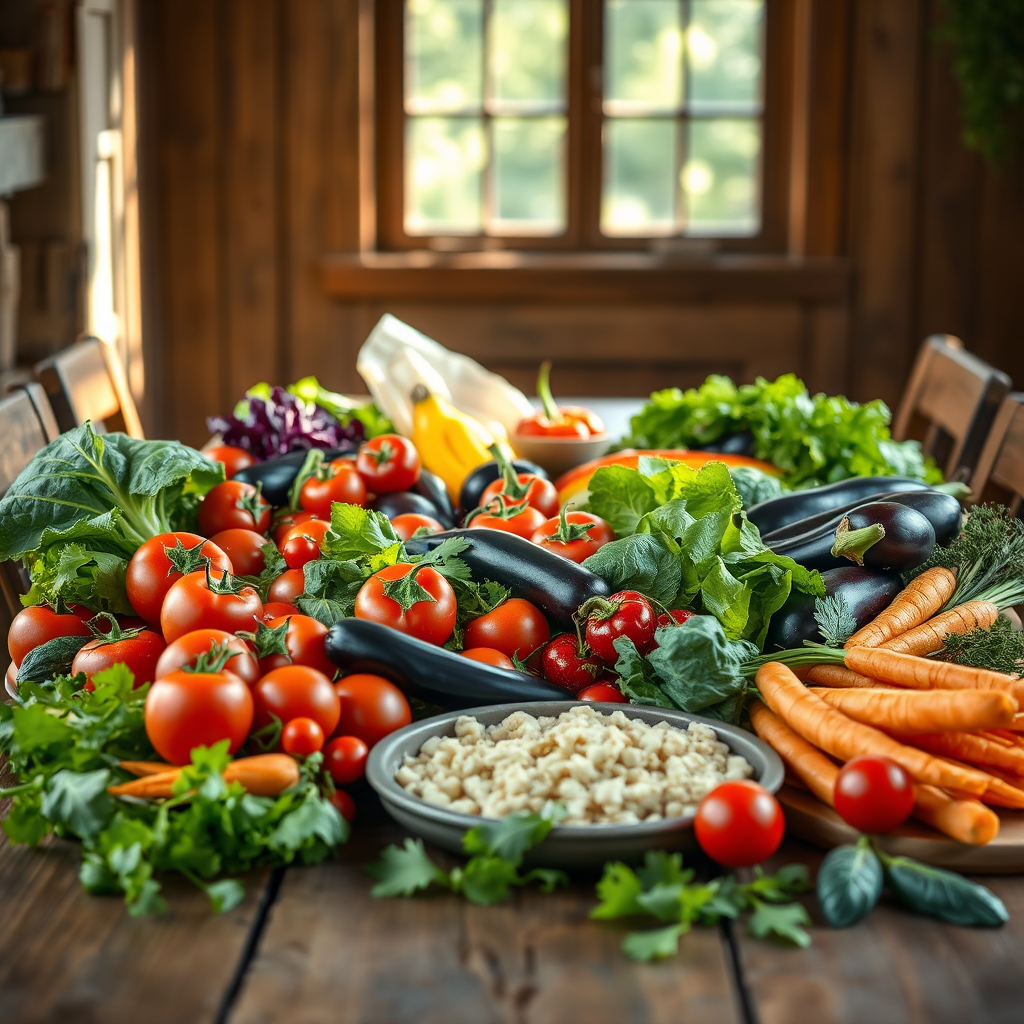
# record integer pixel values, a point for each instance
(943, 894)
(849, 884)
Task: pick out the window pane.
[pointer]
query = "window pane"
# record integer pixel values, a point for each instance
(443, 55)
(528, 176)
(720, 177)
(528, 53)
(723, 49)
(444, 158)
(643, 39)
(640, 176)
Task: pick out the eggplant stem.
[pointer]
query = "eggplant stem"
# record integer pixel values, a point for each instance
(853, 544)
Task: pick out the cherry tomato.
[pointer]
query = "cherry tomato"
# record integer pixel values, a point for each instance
(540, 494)
(524, 523)
(205, 601)
(139, 650)
(577, 538)
(275, 609)
(301, 544)
(739, 824)
(566, 662)
(343, 804)
(288, 586)
(627, 613)
(313, 529)
(515, 627)
(11, 679)
(286, 522)
(188, 648)
(388, 463)
(489, 656)
(430, 618)
(185, 710)
(873, 794)
(603, 693)
(243, 548)
(233, 505)
(304, 637)
(301, 737)
(231, 458)
(408, 523)
(345, 759)
(674, 615)
(296, 691)
(161, 561)
(32, 627)
(371, 707)
(342, 484)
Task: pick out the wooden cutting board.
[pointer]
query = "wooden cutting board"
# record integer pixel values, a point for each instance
(809, 819)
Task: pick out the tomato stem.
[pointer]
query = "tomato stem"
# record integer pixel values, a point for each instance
(544, 391)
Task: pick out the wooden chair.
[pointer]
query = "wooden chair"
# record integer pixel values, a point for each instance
(950, 404)
(1000, 473)
(86, 381)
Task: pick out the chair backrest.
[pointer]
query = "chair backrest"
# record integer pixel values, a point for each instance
(1000, 472)
(949, 404)
(86, 381)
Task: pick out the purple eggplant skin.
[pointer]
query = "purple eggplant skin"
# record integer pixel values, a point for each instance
(776, 513)
(400, 503)
(428, 672)
(942, 510)
(431, 486)
(865, 591)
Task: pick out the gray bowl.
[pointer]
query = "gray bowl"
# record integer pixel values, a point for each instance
(566, 845)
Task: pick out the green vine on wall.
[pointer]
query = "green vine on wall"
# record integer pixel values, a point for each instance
(988, 60)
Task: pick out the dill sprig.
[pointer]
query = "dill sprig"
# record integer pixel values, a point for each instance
(1000, 649)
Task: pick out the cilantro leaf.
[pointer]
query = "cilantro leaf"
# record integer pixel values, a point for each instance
(654, 945)
(403, 870)
(619, 891)
(78, 801)
(356, 531)
(785, 921)
(510, 837)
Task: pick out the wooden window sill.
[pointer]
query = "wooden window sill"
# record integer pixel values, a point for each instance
(620, 277)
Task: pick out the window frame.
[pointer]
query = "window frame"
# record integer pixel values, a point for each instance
(584, 170)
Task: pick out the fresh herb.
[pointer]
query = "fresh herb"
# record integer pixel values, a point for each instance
(836, 622)
(812, 439)
(999, 649)
(849, 883)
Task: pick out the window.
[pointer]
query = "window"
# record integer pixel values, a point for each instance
(578, 123)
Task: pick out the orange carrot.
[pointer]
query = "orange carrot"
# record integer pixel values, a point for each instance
(972, 748)
(917, 603)
(262, 775)
(1017, 725)
(140, 768)
(964, 819)
(843, 738)
(928, 637)
(913, 711)
(837, 676)
(807, 762)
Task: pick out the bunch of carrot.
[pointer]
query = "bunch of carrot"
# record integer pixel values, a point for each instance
(956, 730)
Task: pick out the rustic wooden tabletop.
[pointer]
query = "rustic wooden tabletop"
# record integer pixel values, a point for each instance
(309, 944)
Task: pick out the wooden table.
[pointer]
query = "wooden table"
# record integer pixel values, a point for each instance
(309, 945)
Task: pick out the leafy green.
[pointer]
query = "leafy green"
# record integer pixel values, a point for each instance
(754, 485)
(1000, 648)
(342, 408)
(812, 439)
(849, 883)
(836, 622)
(786, 922)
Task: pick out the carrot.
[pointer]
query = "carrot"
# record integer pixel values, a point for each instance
(974, 749)
(140, 768)
(917, 603)
(837, 676)
(912, 711)
(1017, 725)
(262, 775)
(807, 762)
(842, 737)
(927, 638)
(964, 819)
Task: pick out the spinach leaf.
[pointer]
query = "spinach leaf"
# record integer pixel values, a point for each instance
(849, 883)
(636, 677)
(621, 497)
(942, 894)
(641, 562)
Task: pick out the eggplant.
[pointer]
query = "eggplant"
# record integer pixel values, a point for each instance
(474, 484)
(400, 503)
(278, 474)
(739, 443)
(557, 586)
(428, 672)
(775, 513)
(942, 510)
(431, 487)
(908, 540)
(866, 592)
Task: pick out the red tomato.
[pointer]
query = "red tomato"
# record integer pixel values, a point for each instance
(627, 613)
(345, 759)
(343, 804)
(203, 601)
(185, 710)
(243, 548)
(288, 586)
(139, 650)
(32, 627)
(187, 649)
(313, 529)
(577, 538)
(371, 707)
(304, 637)
(674, 615)
(739, 824)
(515, 627)
(489, 656)
(538, 492)
(286, 522)
(231, 458)
(566, 662)
(161, 562)
(431, 619)
(11, 679)
(388, 463)
(233, 505)
(873, 794)
(342, 484)
(524, 523)
(301, 737)
(408, 523)
(296, 691)
(602, 693)
(275, 609)
(301, 544)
